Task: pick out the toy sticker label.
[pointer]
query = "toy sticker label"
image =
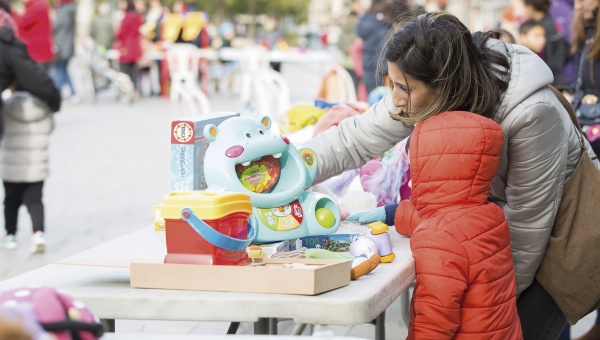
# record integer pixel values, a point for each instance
(282, 218)
(309, 157)
(183, 133)
(260, 176)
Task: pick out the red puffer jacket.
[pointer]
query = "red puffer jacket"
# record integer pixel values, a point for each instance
(35, 30)
(460, 241)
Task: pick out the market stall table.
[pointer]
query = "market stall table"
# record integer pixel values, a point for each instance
(106, 290)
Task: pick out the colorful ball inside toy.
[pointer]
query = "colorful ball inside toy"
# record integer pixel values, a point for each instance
(363, 245)
(325, 217)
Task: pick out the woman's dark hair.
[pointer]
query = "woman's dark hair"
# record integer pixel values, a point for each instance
(438, 50)
(5, 5)
(539, 5)
(130, 6)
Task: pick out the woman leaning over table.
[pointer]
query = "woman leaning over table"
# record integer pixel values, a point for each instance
(440, 66)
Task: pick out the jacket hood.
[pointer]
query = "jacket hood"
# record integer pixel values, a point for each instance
(528, 74)
(453, 159)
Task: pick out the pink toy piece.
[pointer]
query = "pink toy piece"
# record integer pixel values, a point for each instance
(234, 151)
(56, 312)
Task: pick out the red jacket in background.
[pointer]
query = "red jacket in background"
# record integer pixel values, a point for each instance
(130, 40)
(460, 241)
(35, 30)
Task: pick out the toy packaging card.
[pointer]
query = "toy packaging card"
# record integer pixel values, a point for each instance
(340, 241)
(188, 147)
(276, 247)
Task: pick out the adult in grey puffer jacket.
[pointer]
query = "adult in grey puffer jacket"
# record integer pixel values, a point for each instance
(540, 152)
(28, 123)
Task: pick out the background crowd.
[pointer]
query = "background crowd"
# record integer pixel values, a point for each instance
(563, 33)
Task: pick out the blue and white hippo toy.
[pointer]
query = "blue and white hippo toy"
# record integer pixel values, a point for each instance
(245, 156)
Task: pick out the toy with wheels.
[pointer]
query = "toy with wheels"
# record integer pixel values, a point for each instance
(245, 156)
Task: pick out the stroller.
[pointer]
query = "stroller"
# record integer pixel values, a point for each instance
(102, 76)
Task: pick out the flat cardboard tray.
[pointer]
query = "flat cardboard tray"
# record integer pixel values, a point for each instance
(264, 275)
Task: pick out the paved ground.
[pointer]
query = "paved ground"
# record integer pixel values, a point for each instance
(109, 165)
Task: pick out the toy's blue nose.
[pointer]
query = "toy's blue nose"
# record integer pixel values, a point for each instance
(234, 151)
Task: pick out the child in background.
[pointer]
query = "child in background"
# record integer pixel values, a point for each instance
(28, 123)
(460, 241)
(533, 36)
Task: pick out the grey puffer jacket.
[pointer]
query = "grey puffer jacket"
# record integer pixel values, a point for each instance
(540, 152)
(28, 123)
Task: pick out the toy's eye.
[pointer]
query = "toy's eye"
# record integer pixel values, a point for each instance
(261, 132)
(248, 134)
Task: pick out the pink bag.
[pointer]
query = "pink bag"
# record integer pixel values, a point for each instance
(56, 312)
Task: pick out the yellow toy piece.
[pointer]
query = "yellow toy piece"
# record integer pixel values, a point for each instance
(255, 252)
(378, 227)
(300, 116)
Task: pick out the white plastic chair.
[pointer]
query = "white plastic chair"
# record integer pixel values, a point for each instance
(183, 62)
(345, 91)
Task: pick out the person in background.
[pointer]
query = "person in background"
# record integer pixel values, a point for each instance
(35, 30)
(533, 36)
(102, 29)
(64, 37)
(557, 50)
(19, 71)
(130, 40)
(155, 12)
(28, 124)
(372, 28)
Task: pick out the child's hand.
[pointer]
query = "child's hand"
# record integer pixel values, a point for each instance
(375, 215)
(589, 99)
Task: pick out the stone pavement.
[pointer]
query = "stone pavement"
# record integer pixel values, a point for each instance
(109, 166)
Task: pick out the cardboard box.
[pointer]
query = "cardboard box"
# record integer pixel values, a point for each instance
(281, 276)
(188, 147)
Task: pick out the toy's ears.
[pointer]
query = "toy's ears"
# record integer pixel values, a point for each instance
(266, 121)
(210, 132)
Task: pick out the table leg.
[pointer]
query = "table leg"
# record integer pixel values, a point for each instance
(233, 328)
(405, 307)
(272, 326)
(261, 326)
(109, 325)
(380, 327)
(298, 329)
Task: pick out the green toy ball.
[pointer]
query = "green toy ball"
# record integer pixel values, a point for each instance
(325, 217)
